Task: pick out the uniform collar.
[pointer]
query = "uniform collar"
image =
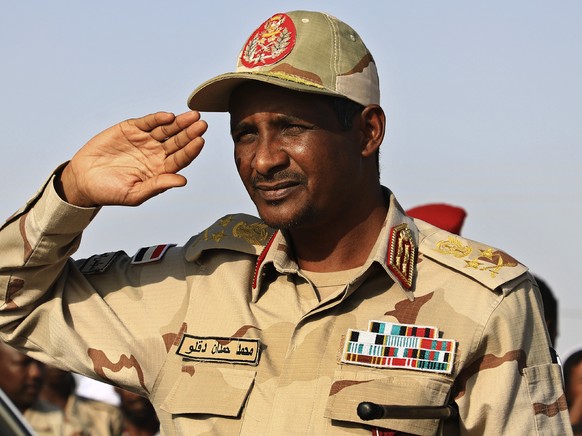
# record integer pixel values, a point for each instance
(396, 251)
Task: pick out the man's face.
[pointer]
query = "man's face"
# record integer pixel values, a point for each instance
(574, 388)
(20, 377)
(298, 166)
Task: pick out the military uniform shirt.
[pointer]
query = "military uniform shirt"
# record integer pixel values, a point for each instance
(218, 337)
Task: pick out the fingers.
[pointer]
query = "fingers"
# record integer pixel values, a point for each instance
(184, 156)
(185, 136)
(153, 121)
(163, 125)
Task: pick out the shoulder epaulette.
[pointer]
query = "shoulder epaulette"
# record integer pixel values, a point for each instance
(98, 263)
(488, 265)
(240, 232)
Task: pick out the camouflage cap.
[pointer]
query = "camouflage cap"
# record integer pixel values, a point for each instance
(303, 51)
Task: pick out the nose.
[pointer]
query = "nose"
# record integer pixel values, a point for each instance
(270, 156)
(35, 370)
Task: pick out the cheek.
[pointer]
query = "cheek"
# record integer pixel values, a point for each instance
(243, 168)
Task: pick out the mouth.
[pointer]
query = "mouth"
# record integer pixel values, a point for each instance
(276, 191)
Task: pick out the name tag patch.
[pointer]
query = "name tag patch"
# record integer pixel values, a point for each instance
(219, 349)
(404, 346)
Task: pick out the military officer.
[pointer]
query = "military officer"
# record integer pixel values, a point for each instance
(287, 323)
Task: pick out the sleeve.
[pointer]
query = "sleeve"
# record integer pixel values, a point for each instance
(513, 386)
(114, 325)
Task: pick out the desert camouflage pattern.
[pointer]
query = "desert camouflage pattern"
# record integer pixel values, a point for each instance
(46, 419)
(301, 50)
(87, 417)
(144, 327)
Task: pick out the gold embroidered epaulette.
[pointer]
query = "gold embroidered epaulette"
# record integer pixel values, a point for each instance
(240, 232)
(489, 266)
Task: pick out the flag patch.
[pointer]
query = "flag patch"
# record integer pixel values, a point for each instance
(150, 254)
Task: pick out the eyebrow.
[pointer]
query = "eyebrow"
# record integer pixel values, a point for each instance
(279, 119)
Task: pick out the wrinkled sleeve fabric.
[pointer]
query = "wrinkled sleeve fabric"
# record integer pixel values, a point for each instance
(512, 386)
(113, 326)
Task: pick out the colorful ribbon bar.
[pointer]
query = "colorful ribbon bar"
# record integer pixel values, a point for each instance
(390, 345)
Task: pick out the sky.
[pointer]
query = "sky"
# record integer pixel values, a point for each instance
(483, 99)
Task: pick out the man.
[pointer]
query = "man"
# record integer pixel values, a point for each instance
(573, 389)
(283, 325)
(83, 416)
(139, 416)
(21, 379)
(550, 305)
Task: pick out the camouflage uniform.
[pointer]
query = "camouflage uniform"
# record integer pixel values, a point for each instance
(84, 416)
(236, 286)
(46, 419)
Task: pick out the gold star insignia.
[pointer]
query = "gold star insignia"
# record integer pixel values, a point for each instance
(474, 263)
(217, 237)
(225, 221)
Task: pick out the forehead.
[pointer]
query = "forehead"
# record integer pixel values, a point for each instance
(9, 354)
(256, 97)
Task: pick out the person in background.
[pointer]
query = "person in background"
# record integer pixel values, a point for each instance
(442, 215)
(21, 379)
(550, 308)
(139, 415)
(573, 388)
(83, 416)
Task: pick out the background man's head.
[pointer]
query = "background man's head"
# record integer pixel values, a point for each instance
(550, 308)
(573, 377)
(21, 377)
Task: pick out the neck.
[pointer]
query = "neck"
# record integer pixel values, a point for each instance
(54, 397)
(341, 245)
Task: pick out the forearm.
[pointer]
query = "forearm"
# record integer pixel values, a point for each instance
(36, 243)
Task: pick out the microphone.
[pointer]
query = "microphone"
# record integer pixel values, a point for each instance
(368, 411)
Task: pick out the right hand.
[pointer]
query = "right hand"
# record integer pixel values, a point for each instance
(133, 161)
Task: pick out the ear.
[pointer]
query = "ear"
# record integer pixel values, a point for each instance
(373, 125)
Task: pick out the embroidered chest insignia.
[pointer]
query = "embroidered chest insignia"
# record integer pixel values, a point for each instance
(402, 254)
(403, 346)
(219, 349)
(150, 254)
(271, 42)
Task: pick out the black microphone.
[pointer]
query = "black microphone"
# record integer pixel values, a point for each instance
(368, 411)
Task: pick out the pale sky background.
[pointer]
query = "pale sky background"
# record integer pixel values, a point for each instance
(484, 105)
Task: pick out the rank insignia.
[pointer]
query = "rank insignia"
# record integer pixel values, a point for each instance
(150, 254)
(271, 42)
(99, 263)
(402, 346)
(402, 254)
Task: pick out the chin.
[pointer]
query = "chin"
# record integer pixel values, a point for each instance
(275, 216)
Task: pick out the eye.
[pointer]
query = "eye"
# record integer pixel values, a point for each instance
(294, 129)
(243, 136)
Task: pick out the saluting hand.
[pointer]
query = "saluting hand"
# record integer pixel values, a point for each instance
(133, 161)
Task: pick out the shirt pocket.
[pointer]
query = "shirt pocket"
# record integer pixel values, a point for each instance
(387, 387)
(207, 390)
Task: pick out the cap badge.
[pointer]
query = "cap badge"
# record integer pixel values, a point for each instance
(271, 42)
